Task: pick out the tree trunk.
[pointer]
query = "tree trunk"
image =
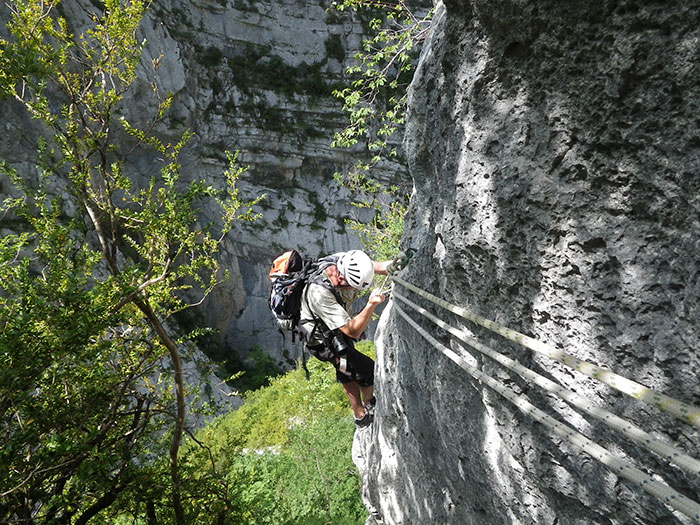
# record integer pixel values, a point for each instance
(180, 398)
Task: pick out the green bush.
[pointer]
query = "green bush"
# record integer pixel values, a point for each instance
(258, 68)
(265, 416)
(334, 48)
(259, 374)
(282, 458)
(211, 57)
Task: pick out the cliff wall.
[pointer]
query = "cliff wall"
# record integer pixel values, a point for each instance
(555, 154)
(254, 77)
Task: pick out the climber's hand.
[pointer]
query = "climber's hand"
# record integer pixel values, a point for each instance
(399, 263)
(376, 297)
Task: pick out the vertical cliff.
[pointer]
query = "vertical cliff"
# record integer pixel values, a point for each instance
(251, 76)
(555, 155)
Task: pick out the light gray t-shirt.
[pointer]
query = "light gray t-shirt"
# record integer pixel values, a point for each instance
(319, 302)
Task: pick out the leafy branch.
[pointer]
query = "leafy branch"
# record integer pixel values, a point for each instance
(376, 106)
(376, 99)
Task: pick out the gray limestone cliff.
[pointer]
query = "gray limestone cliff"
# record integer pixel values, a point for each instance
(254, 77)
(556, 160)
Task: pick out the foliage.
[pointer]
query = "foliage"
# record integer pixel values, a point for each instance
(318, 483)
(91, 385)
(381, 236)
(263, 420)
(259, 374)
(282, 458)
(376, 100)
(259, 67)
(376, 106)
(335, 48)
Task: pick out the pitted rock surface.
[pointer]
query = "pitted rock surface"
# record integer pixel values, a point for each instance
(555, 154)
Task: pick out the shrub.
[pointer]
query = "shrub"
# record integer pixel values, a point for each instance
(211, 56)
(334, 48)
(259, 374)
(282, 458)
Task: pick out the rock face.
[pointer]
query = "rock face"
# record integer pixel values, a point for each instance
(255, 77)
(555, 154)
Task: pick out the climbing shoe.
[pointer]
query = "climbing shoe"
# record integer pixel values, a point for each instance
(370, 406)
(365, 421)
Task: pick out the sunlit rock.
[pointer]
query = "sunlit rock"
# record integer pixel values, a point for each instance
(555, 157)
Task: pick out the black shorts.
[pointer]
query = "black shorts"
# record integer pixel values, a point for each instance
(359, 367)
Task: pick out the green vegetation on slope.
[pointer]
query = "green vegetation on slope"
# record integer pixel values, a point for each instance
(282, 458)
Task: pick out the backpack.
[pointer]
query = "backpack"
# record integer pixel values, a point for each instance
(289, 274)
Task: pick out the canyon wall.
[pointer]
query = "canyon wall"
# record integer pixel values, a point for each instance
(555, 154)
(254, 77)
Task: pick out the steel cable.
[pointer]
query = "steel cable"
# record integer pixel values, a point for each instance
(663, 449)
(679, 409)
(619, 466)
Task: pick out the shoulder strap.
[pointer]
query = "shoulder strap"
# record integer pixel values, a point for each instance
(320, 280)
(316, 320)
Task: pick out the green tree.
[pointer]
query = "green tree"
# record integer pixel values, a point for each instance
(375, 103)
(91, 381)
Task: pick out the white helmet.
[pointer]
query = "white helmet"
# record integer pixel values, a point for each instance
(357, 268)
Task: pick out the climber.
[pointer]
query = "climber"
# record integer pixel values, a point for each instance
(332, 330)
